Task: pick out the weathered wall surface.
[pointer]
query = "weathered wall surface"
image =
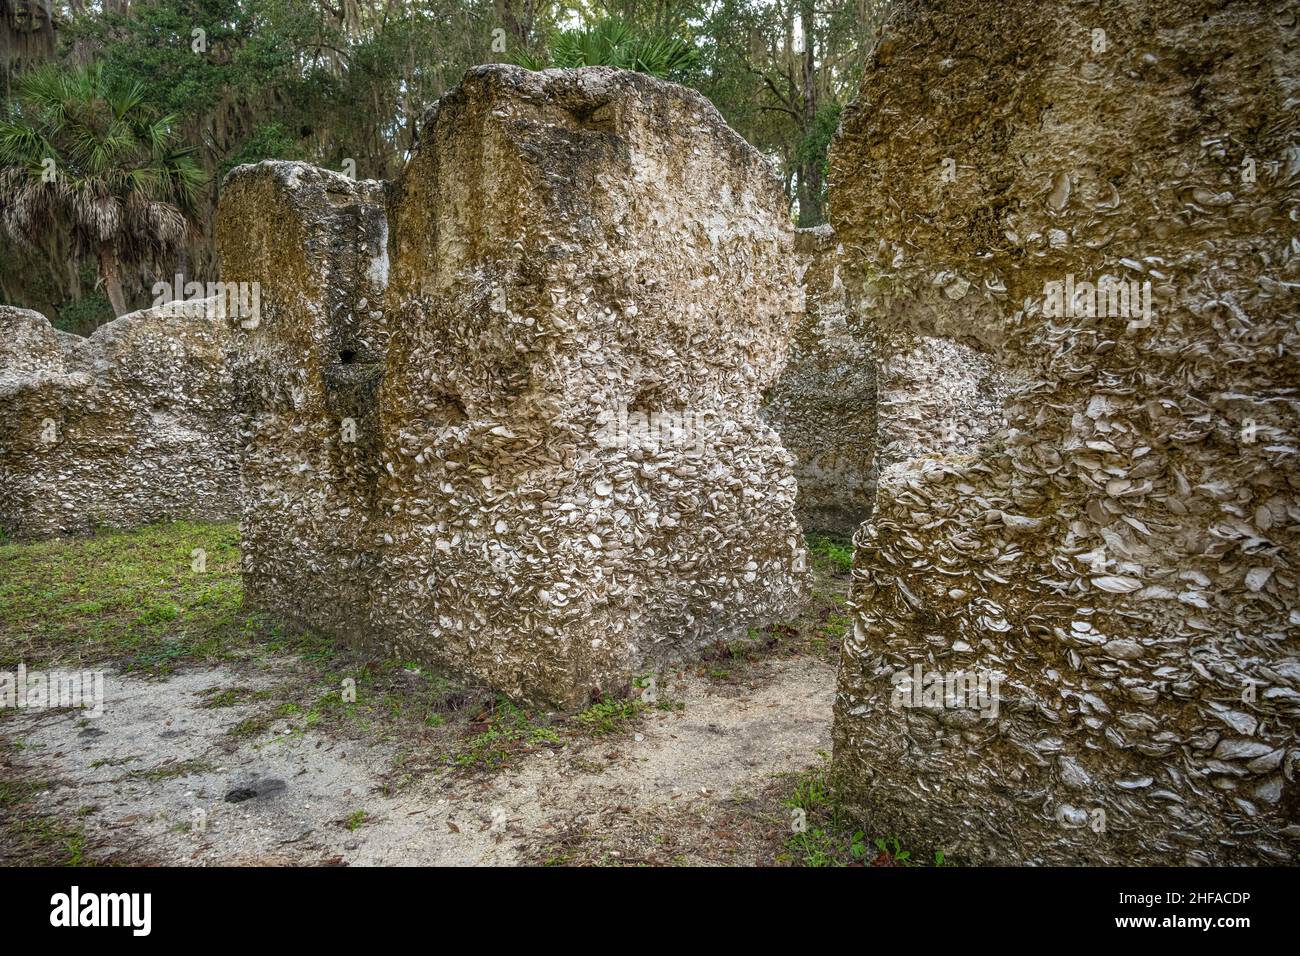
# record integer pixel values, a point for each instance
(824, 403)
(1122, 557)
(936, 397)
(132, 425)
(307, 380)
(577, 259)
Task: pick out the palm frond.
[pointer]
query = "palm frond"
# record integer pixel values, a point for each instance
(612, 42)
(118, 175)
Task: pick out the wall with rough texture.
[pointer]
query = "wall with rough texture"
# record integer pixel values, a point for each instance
(131, 425)
(935, 396)
(306, 380)
(824, 403)
(575, 256)
(1121, 557)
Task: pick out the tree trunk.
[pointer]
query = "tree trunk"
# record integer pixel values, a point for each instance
(518, 17)
(108, 273)
(811, 212)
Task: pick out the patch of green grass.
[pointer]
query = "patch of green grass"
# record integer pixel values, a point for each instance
(250, 727)
(832, 552)
(823, 834)
(355, 820)
(130, 598)
(833, 628)
(508, 729)
(14, 792)
(50, 841)
(28, 838)
(230, 697)
(609, 716)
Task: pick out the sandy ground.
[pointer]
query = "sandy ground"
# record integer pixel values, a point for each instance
(158, 778)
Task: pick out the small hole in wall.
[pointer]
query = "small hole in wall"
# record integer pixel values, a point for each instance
(347, 356)
(649, 398)
(440, 410)
(452, 408)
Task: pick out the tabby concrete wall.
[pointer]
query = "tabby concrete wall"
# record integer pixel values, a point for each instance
(132, 425)
(824, 403)
(1114, 570)
(540, 461)
(306, 380)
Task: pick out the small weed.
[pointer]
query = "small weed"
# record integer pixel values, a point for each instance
(250, 727)
(831, 552)
(504, 731)
(609, 716)
(825, 835)
(112, 762)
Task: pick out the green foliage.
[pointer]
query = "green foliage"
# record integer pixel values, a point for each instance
(509, 729)
(105, 146)
(892, 849)
(220, 62)
(831, 552)
(612, 42)
(83, 157)
(82, 318)
(268, 141)
(815, 144)
(813, 147)
(132, 598)
(609, 716)
(29, 837)
(827, 835)
(329, 82)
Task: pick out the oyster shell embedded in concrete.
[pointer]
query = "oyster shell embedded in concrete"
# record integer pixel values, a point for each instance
(1120, 556)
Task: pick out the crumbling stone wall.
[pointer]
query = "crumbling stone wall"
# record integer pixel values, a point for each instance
(557, 476)
(824, 403)
(1121, 557)
(132, 425)
(307, 378)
